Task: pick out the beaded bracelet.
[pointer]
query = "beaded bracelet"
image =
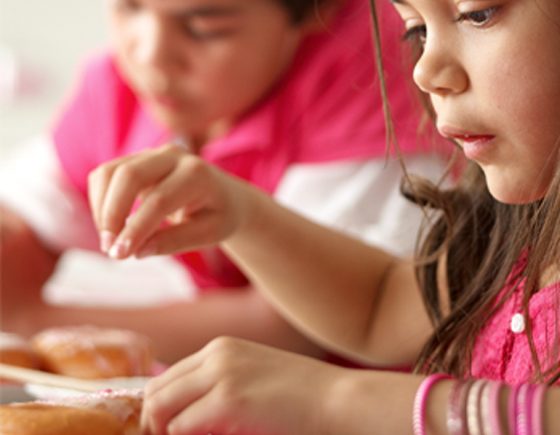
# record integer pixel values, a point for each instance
(420, 401)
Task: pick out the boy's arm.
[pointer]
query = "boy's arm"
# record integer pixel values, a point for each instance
(179, 328)
(25, 266)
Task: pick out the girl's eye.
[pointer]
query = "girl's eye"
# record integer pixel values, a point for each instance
(478, 18)
(415, 35)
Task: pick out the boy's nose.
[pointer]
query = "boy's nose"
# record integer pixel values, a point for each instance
(438, 71)
(154, 45)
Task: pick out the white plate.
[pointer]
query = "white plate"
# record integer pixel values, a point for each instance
(45, 392)
(14, 393)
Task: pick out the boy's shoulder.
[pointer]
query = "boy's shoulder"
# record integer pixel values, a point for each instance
(101, 68)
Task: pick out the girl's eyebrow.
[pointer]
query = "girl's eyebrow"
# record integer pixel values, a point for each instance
(399, 2)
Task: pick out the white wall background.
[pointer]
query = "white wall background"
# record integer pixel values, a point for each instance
(43, 43)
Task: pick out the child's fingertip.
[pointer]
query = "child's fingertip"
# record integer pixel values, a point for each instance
(147, 250)
(107, 238)
(120, 249)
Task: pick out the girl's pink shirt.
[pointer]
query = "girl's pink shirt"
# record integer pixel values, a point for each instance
(502, 349)
(326, 108)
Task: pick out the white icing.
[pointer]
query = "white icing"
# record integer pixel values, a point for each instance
(91, 334)
(120, 403)
(71, 340)
(12, 341)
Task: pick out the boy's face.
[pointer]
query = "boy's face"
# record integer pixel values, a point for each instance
(492, 71)
(199, 64)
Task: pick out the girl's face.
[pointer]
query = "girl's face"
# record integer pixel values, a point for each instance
(199, 64)
(492, 71)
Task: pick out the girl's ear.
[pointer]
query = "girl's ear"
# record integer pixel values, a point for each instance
(321, 16)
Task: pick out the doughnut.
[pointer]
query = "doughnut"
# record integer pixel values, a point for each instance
(108, 412)
(16, 351)
(90, 352)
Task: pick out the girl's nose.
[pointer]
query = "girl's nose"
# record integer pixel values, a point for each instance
(438, 71)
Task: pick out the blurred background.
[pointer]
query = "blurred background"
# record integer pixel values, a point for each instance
(42, 43)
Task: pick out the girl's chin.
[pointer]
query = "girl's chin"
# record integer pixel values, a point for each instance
(512, 186)
(514, 197)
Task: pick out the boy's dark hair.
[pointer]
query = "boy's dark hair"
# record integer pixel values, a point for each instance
(300, 9)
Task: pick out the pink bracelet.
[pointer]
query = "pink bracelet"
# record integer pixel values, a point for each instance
(522, 413)
(537, 410)
(494, 409)
(512, 409)
(474, 407)
(456, 421)
(485, 408)
(420, 401)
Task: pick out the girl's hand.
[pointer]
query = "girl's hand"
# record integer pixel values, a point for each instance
(236, 387)
(163, 201)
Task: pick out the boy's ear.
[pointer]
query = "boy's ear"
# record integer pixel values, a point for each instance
(321, 16)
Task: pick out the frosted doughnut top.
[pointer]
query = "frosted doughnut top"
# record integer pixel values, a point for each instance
(12, 341)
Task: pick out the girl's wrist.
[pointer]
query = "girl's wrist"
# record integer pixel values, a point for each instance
(250, 206)
(360, 400)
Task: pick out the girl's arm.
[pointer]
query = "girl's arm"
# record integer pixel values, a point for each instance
(344, 293)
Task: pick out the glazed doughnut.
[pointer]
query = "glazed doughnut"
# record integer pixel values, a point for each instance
(89, 352)
(106, 412)
(16, 351)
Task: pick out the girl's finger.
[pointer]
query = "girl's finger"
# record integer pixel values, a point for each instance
(183, 189)
(98, 183)
(173, 373)
(198, 231)
(183, 367)
(205, 416)
(161, 407)
(127, 182)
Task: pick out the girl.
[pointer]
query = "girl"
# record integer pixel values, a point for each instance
(483, 301)
(278, 93)
(482, 312)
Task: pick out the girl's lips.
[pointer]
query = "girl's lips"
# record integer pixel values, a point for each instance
(474, 145)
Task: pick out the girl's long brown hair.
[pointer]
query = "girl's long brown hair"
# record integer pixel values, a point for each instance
(480, 240)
